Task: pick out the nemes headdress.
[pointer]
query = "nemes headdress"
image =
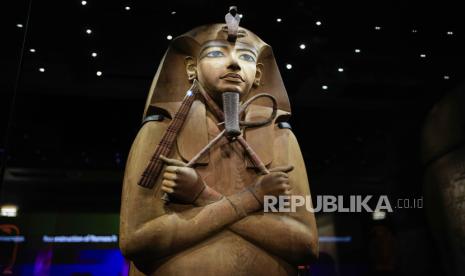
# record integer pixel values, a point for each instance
(168, 94)
(171, 83)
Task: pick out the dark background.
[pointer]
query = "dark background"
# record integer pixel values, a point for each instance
(65, 133)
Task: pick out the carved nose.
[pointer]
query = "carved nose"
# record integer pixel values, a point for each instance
(234, 65)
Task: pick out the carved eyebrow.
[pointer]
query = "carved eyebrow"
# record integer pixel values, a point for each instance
(248, 50)
(211, 46)
(221, 44)
(246, 47)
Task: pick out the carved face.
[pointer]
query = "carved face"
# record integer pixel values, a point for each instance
(226, 67)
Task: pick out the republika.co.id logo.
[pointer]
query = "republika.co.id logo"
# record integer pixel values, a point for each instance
(332, 203)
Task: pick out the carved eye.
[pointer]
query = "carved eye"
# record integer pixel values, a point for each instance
(215, 54)
(247, 57)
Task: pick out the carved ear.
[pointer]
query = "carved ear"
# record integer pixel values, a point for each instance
(191, 68)
(258, 75)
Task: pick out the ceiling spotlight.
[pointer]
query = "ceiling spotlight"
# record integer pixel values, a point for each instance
(289, 66)
(169, 37)
(88, 31)
(94, 54)
(241, 15)
(324, 87)
(127, 8)
(422, 55)
(340, 69)
(377, 28)
(83, 3)
(99, 73)
(450, 33)
(19, 25)
(446, 77)
(357, 51)
(32, 50)
(8, 210)
(318, 23)
(278, 20)
(302, 46)
(41, 69)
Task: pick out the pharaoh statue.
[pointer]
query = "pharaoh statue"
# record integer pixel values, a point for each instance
(443, 156)
(204, 161)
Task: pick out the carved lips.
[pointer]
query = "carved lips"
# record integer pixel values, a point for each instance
(233, 77)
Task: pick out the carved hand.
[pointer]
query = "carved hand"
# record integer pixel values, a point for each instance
(275, 183)
(182, 183)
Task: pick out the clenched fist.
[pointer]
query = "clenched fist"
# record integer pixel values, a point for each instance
(275, 183)
(181, 183)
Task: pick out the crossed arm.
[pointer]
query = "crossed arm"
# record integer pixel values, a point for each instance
(293, 235)
(149, 231)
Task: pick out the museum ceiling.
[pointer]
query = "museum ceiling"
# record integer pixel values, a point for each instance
(361, 76)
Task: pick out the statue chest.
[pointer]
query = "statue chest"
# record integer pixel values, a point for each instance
(227, 170)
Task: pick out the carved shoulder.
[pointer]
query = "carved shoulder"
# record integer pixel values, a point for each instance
(139, 204)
